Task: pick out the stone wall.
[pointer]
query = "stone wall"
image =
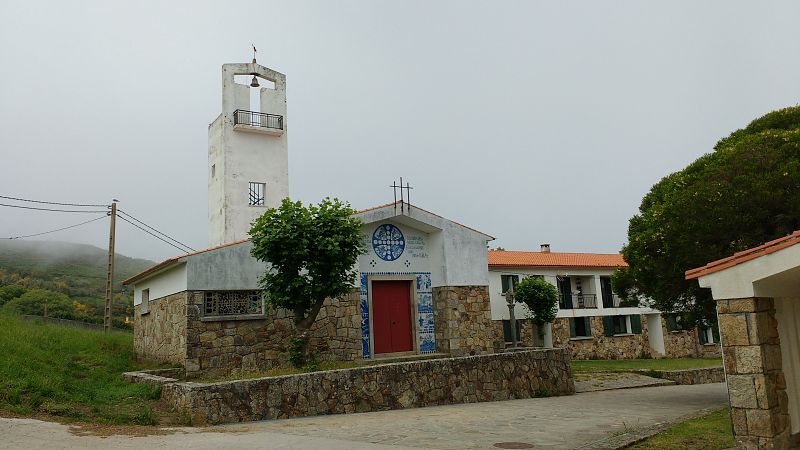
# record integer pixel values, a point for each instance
(599, 346)
(690, 376)
(527, 337)
(159, 332)
(463, 321)
(686, 344)
(756, 384)
(470, 379)
(710, 350)
(219, 346)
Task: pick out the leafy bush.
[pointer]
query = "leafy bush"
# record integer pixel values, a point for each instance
(312, 251)
(10, 292)
(33, 301)
(540, 297)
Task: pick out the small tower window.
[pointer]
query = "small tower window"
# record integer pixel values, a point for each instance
(257, 193)
(213, 171)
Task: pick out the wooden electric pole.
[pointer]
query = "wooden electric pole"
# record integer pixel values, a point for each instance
(110, 273)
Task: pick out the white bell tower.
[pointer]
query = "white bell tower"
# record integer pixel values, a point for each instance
(248, 157)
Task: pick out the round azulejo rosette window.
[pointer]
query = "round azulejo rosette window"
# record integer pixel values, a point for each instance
(388, 242)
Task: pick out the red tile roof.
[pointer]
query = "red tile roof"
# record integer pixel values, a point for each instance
(505, 258)
(744, 256)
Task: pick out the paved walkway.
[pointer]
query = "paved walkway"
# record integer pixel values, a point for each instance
(555, 423)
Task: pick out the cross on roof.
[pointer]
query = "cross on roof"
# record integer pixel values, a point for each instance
(405, 197)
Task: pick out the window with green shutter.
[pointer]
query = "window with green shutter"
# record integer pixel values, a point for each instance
(636, 324)
(580, 327)
(608, 325)
(674, 322)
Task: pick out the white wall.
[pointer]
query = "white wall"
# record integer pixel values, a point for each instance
(787, 312)
(500, 307)
(161, 284)
(656, 339)
(247, 156)
(419, 253)
(456, 255)
(216, 213)
(227, 268)
(465, 259)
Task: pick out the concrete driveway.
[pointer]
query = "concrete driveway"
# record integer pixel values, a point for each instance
(570, 422)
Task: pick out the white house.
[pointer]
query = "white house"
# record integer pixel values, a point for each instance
(592, 321)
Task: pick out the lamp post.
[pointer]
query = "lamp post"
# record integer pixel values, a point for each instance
(512, 319)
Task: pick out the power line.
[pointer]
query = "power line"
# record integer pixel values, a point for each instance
(151, 234)
(59, 229)
(54, 210)
(159, 232)
(50, 203)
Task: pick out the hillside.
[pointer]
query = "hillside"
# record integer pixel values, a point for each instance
(77, 270)
(71, 373)
(69, 278)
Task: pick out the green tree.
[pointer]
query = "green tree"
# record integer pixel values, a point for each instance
(311, 253)
(33, 301)
(10, 292)
(541, 299)
(744, 193)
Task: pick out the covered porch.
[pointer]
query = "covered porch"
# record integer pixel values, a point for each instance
(758, 307)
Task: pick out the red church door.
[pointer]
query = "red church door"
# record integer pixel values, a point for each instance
(391, 316)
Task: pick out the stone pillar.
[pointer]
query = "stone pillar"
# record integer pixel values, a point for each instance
(463, 321)
(756, 386)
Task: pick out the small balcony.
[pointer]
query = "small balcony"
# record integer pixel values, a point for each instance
(577, 301)
(258, 122)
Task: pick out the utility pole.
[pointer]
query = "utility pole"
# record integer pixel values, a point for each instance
(110, 273)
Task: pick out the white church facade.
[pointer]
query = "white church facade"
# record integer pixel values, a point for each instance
(422, 286)
(426, 284)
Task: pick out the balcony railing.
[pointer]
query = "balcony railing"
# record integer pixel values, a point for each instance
(257, 119)
(611, 301)
(577, 301)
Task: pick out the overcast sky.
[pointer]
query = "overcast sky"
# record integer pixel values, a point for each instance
(531, 121)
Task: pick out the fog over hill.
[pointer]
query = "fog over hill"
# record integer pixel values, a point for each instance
(81, 266)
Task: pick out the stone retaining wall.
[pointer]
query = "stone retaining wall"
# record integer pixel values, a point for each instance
(691, 376)
(469, 379)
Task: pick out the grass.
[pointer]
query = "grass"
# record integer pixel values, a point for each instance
(711, 432)
(71, 373)
(277, 372)
(626, 365)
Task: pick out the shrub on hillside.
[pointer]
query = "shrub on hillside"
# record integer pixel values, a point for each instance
(33, 301)
(10, 292)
